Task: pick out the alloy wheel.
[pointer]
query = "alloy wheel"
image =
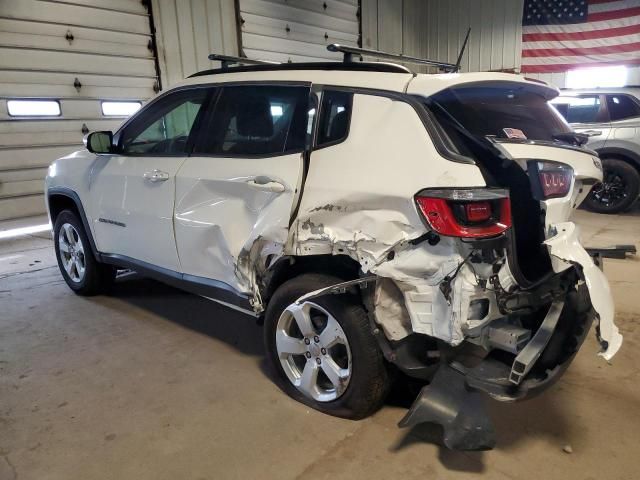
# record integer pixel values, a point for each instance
(612, 191)
(313, 351)
(72, 252)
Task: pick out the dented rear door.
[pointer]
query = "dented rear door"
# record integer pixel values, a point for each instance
(239, 185)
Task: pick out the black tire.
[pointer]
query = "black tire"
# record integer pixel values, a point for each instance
(618, 191)
(97, 278)
(370, 380)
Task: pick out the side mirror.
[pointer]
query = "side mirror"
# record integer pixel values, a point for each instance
(99, 142)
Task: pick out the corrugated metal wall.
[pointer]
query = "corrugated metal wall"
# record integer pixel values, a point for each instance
(297, 30)
(76, 53)
(187, 31)
(436, 29)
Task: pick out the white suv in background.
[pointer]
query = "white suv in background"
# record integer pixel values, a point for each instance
(610, 117)
(374, 219)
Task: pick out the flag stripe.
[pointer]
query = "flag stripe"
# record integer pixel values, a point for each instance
(563, 67)
(580, 27)
(598, 42)
(576, 36)
(558, 52)
(613, 14)
(613, 5)
(578, 60)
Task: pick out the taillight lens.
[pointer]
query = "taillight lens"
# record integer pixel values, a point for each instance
(555, 179)
(468, 213)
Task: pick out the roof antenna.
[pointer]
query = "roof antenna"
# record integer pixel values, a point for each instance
(464, 45)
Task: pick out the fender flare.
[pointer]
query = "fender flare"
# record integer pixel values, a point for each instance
(75, 198)
(618, 152)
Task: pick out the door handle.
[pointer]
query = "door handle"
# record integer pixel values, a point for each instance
(592, 133)
(156, 176)
(267, 184)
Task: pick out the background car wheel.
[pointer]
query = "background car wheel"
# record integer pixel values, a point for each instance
(82, 272)
(619, 189)
(323, 352)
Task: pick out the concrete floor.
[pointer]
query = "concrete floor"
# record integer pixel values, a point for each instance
(153, 383)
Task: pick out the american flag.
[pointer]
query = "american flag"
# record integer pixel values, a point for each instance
(558, 35)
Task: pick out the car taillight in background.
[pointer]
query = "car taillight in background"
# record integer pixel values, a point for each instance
(555, 179)
(468, 213)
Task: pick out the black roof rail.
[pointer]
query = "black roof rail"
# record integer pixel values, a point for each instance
(350, 52)
(331, 66)
(228, 60)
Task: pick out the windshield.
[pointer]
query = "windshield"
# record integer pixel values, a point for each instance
(502, 112)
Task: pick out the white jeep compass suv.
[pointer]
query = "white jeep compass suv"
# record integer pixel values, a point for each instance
(375, 219)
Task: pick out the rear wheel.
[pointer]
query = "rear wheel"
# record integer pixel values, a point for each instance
(79, 268)
(618, 190)
(322, 350)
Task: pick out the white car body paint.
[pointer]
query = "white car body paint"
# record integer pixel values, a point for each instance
(358, 201)
(221, 216)
(566, 247)
(119, 190)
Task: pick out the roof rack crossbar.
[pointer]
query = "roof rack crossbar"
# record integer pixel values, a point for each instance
(349, 53)
(228, 60)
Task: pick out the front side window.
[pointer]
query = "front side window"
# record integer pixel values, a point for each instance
(257, 120)
(164, 128)
(622, 107)
(334, 117)
(582, 109)
(488, 111)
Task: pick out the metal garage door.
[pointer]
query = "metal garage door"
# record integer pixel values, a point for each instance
(77, 53)
(297, 30)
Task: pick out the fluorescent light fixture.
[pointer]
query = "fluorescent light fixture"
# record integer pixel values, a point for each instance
(33, 108)
(597, 77)
(17, 232)
(276, 110)
(120, 109)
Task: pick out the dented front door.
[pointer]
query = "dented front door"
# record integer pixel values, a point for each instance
(238, 188)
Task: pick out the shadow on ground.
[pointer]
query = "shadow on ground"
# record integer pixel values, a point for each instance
(514, 423)
(209, 318)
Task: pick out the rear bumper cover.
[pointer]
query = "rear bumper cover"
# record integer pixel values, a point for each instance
(566, 251)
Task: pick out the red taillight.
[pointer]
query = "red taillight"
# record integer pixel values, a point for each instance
(555, 179)
(472, 213)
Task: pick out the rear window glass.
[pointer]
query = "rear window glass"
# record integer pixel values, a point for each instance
(494, 111)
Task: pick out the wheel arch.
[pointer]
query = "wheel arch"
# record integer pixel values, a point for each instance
(290, 266)
(628, 156)
(60, 199)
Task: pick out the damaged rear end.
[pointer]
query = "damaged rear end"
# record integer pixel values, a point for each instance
(453, 200)
(524, 292)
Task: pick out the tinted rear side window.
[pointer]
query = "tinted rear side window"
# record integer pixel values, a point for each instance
(335, 115)
(256, 120)
(488, 111)
(582, 109)
(622, 107)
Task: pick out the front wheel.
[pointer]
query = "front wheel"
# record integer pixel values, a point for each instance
(322, 350)
(618, 190)
(79, 268)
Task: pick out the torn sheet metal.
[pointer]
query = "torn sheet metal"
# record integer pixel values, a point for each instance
(568, 251)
